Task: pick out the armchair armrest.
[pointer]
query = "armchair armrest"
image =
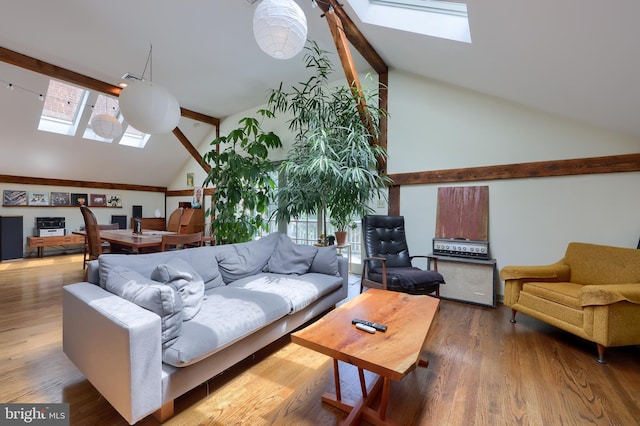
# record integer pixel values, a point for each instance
(558, 271)
(515, 276)
(607, 294)
(365, 271)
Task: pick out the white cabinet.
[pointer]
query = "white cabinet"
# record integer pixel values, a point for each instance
(467, 280)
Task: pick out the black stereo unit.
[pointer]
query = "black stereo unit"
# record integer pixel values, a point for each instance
(461, 248)
(50, 222)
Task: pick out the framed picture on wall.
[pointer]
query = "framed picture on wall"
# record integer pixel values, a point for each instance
(78, 199)
(37, 198)
(60, 199)
(190, 180)
(97, 200)
(113, 200)
(12, 197)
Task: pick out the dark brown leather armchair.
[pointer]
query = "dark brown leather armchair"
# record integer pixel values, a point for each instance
(387, 264)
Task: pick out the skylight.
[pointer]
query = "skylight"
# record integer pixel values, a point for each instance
(434, 18)
(66, 110)
(103, 105)
(62, 108)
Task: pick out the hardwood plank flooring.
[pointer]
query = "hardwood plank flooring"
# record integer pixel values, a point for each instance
(483, 370)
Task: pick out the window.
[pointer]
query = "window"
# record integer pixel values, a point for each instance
(133, 137)
(62, 109)
(104, 105)
(66, 108)
(434, 18)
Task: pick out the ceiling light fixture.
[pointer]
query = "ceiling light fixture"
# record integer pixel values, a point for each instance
(280, 28)
(149, 107)
(106, 126)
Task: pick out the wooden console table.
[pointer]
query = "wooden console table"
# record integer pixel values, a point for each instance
(63, 240)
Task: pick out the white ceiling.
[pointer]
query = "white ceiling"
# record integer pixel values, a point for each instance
(574, 58)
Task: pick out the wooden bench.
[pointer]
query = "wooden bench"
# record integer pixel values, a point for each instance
(63, 240)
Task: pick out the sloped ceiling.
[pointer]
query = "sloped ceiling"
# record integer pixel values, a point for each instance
(569, 58)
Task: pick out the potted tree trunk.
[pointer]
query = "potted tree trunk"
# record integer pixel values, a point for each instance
(332, 166)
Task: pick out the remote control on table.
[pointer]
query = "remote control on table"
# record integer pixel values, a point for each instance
(366, 328)
(375, 326)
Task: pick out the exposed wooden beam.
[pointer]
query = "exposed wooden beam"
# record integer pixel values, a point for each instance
(200, 117)
(355, 37)
(383, 104)
(188, 192)
(578, 166)
(23, 180)
(50, 70)
(349, 67)
(54, 71)
(192, 150)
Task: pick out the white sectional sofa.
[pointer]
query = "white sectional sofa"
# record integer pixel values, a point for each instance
(147, 328)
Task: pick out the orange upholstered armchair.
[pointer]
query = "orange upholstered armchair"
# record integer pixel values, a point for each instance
(593, 292)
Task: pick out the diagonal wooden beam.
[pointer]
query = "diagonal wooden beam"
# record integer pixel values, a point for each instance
(339, 35)
(355, 37)
(349, 67)
(54, 71)
(192, 150)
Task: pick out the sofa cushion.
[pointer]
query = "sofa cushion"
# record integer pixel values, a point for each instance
(599, 264)
(202, 259)
(567, 294)
(299, 290)
(156, 297)
(291, 258)
(187, 282)
(325, 261)
(241, 260)
(227, 315)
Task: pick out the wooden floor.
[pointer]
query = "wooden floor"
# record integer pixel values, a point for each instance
(483, 370)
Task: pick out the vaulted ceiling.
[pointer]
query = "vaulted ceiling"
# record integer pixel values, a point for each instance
(571, 58)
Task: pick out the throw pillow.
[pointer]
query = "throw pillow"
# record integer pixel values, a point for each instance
(156, 297)
(240, 260)
(187, 282)
(326, 261)
(291, 258)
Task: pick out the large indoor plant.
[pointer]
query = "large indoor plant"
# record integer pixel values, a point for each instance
(240, 174)
(331, 168)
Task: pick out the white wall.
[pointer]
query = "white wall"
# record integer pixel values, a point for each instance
(434, 126)
(150, 201)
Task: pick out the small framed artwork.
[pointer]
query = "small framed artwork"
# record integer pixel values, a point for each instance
(97, 200)
(78, 199)
(60, 199)
(190, 180)
(14, 198)
(37, 198)
(113, 200)
(197, 198)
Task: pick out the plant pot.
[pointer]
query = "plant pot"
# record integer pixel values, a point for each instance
(341, 237)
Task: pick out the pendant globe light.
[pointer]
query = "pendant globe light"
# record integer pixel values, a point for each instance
(149, 107)
(280, 28)
(104, 125)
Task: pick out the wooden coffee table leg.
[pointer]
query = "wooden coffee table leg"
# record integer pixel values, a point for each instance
(335, 400)
(363, 383)
(336, 379)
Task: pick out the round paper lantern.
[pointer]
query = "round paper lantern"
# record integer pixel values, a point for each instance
(149, 107)
(280, 28)
(106, 126)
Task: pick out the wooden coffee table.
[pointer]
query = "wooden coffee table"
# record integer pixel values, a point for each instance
(391, 355)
